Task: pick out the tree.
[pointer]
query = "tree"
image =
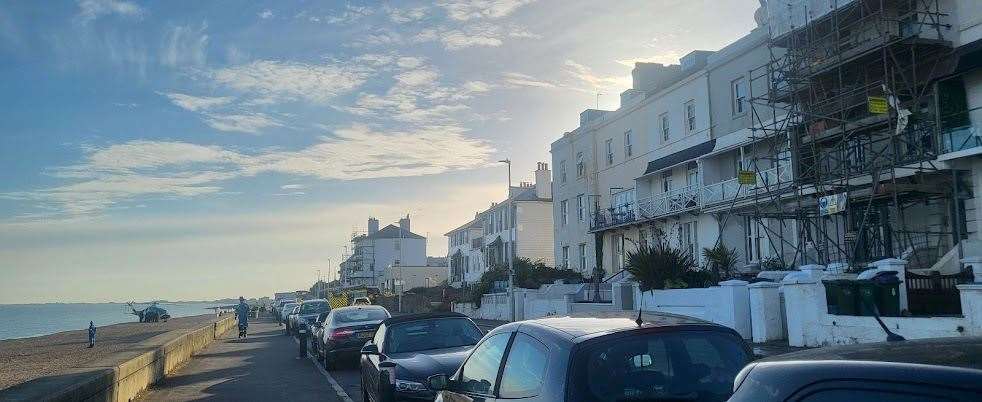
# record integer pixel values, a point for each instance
(661, 267)
(720, 261)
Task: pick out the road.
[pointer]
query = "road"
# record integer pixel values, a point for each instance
(262, 367)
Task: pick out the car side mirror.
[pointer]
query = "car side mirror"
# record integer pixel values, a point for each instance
(438, 382)
(370, 349)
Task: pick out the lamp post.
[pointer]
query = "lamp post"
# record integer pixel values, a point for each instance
(511, 262)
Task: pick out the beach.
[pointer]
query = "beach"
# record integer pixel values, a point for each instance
(26, 359)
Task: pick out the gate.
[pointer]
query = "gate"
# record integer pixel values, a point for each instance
(935, 294)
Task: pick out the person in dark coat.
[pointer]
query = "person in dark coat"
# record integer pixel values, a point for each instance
(91, 334)
(242, 313)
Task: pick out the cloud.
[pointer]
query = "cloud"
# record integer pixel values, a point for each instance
(587, 75)
(266, 14)
(197, 103)
(465, 10)
(381, 37)
(292, 81)
(406, 15)
(666, 57)
(185, 46)
(524, 80)
(90, 10)
(474, 35)
(350, 14)
(293, 187)
(251, 123)
(138, 170)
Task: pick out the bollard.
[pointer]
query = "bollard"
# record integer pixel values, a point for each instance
(303, 343)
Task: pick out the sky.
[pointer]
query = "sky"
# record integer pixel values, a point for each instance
(210, 149)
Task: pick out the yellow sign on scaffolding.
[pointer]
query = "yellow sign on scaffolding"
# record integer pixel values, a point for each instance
(877, 105)
(747, 177)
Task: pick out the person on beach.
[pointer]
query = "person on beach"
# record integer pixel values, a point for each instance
(242, 313)
(91, 334)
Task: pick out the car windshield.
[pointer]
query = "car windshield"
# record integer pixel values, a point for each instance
(349, 316)
(314, 307)
(683, 365)
(437, 333)
(289, 306)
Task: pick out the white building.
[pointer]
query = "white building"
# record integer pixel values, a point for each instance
(377, 249)
(520, 226)
(403, 278)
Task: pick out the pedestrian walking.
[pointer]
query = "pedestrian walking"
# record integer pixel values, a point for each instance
(242, 313)
(91, 334)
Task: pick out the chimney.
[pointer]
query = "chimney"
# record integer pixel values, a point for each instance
(372, 226)
(543, 180)
(404, 224)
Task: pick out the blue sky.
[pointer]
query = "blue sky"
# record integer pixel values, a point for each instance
(196, 150)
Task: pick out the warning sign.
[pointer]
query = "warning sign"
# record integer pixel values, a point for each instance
(747, 177)
(877, 105)
(832, 204)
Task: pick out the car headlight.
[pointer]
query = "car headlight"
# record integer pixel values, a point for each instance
(409, 386)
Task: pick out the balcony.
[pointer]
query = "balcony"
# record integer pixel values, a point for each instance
(960, 138)
(674, 201)
(477, 243)
(728, 190)
(611, 217)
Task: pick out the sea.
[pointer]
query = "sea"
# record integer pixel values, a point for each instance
(27, 320)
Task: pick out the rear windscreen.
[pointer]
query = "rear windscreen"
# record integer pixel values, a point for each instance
(681, 365)
(343, 317)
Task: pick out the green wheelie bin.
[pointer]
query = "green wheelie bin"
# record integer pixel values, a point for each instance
(842, 297)
(885, 295)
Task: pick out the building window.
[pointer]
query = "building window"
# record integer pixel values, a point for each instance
(580, 206)
(580, 169)
(610, 151)
(642, 237)
(565, 259)
(665, 127)
(692, 174)
(627, 144)
(618, 254)
(739, 93)
(397, 244)
(688, 238)
(666, 181)
(690, 117)
(563, 210)
(756, 235)
(562, 171)
(582, 252)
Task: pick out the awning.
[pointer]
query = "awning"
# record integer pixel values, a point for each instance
(679, 157)
(969, 56)
(457, 254)
(495, 242)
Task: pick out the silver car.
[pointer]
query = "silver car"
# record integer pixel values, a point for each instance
(345, 330)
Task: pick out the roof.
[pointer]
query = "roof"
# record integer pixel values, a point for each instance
(577, 325)
(421, 316)
(676, 158)
(394, 232)
(955, 351)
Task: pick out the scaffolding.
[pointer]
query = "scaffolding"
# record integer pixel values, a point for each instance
(850, 102)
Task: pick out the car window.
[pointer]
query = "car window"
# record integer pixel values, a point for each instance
(379, 336)
(349, 316)
(696, 365)
(864, 395)
(480, 372)
(525, 368)
(314, 307)
(436, 333)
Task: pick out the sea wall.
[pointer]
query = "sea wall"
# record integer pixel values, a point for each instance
(123, 376)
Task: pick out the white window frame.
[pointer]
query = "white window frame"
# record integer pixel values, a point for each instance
(580, 167)
(580, 206)
(666, 127)
(563, 212)
(689, 113)
(565, 257)
(582, 249)
(692, 175)
(756, 246)
(689, 238)
(666, 181)
(562, 171)
(609, 145)
(628, 151)
(738, 105)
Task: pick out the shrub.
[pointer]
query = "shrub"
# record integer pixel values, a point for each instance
(528, 274)
(720, 262)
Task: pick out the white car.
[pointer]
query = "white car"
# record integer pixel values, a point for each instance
(361, 301)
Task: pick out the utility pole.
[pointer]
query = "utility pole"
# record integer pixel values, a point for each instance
(511, 260)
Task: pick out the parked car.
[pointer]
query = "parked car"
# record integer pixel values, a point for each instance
(361, 301)
(307, 314)
(287, 318)
(941, 369)
(607, 358)
(407, 349)
(285, 310)
(342, 332)
(277, 307)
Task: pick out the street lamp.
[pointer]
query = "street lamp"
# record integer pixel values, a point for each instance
(511, 262)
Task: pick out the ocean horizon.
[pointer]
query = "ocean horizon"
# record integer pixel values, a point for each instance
(38, 319)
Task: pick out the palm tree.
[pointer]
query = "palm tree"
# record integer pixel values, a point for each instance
(658, 267)
(720, 261)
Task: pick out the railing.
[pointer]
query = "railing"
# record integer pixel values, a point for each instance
(610, 217)
(674, 201)
(775, 177)
(960, 138)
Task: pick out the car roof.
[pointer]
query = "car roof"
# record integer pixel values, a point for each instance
(963, 352)
(589, 325)
(421, 316)
(362, 307)
(314, 300)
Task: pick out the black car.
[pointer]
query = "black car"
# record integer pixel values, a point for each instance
(408, 349)
(941, 369)
(342, 332)
(607, 358)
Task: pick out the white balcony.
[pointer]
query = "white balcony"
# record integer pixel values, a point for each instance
(768, 180)
(672, 202)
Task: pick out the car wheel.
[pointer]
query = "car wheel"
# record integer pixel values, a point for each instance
(329, 363)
